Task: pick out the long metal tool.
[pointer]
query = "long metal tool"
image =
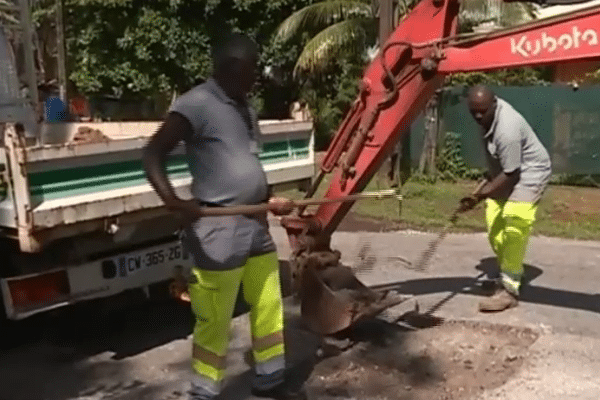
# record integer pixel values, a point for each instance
(178, 287)
(334, 300)
(415, 319)
(261, 208)
(423, 263)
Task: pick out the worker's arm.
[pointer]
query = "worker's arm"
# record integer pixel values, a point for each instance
(498, 184)
(175, 129)
(509, 154)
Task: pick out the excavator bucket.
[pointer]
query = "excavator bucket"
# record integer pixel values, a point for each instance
(333, 299)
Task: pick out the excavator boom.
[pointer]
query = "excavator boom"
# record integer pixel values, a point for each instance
(396, 86)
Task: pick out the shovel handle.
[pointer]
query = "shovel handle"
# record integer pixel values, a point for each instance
(459, 209)
(480, 186)
(261, 208)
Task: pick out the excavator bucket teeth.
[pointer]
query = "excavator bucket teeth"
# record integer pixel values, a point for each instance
(327, 311)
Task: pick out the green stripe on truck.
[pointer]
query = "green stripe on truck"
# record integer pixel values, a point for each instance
(70, 182)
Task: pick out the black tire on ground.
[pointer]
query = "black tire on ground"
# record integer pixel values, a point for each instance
(12, 332)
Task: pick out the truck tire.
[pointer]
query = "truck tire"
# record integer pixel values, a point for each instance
(6, 326)
(12, 332)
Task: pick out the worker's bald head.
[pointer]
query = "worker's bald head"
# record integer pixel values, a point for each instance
(234, 47)
(482, 105)
(235, 59)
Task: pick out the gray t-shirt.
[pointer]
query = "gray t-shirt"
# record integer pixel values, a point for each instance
(223, 151)
(223, 157)
(512, 144)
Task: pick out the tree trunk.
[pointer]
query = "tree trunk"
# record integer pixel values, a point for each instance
(400, 159)
(428, 154)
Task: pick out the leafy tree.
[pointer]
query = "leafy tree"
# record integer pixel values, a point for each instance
(136, 48)
(337, 33)
(524, 76)
(477, 13)
(335, 28)
(329, 106)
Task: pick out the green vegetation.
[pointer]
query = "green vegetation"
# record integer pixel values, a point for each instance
(148, 51)
(569, 212)
(336, 29)
(135, 50)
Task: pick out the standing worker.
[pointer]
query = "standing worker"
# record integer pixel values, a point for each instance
(519, 169)
(221, 134)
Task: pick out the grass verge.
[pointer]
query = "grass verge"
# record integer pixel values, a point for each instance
(568, 212)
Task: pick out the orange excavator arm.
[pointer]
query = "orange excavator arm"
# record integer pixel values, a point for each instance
(411, 66)
(396, 86)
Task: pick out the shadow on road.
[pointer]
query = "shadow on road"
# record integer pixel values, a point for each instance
(529, 293)
(126, 325)
(88, 331)
(238, 387)
(64, 352)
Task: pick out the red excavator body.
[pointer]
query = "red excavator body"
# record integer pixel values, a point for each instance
(396, 86)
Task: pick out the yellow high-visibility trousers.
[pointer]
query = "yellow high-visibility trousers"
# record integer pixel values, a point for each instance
(213, 296)
(509, 227)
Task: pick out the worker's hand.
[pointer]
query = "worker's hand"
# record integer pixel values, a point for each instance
(468, 203)
(190, 210)
(478, 192)
(282, 205)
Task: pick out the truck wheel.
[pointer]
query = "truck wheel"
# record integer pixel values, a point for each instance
(5, 271)
(12, 332)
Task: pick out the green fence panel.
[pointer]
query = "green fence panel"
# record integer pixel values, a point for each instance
(566, 121)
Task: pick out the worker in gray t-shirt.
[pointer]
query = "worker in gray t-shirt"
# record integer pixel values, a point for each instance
(222, 139)
(519, 169)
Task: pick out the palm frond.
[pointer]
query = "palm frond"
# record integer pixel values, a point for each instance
(349, 37)
(322, 14)
(405, 6)
(6, 17)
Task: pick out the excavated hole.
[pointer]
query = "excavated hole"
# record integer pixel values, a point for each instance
(452, 361)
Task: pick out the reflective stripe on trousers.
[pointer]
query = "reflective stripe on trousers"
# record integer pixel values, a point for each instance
(213, 296)
(509, 227)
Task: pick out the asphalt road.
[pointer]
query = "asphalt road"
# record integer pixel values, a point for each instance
(142, 351)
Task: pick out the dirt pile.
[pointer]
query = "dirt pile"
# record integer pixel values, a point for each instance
(453, 361)
(86, 134)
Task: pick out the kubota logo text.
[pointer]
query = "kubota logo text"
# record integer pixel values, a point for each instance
(572, 40)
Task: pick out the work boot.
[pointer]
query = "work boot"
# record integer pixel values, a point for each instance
(500, 301)
(281, 392)
(489, 286)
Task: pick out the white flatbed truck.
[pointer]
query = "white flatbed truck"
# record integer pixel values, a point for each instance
(79, 221)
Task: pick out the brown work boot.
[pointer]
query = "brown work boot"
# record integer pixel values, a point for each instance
(500, 301)
(489, 287)
(281, 392)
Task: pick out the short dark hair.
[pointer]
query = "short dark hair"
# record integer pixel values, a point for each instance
(233, 46)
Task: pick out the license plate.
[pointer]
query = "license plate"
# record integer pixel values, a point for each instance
(132, 263)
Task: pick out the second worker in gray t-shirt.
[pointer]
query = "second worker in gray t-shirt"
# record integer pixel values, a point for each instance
(519, 170)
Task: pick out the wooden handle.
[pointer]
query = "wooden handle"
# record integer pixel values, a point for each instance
(480, 186)
(261, 208)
